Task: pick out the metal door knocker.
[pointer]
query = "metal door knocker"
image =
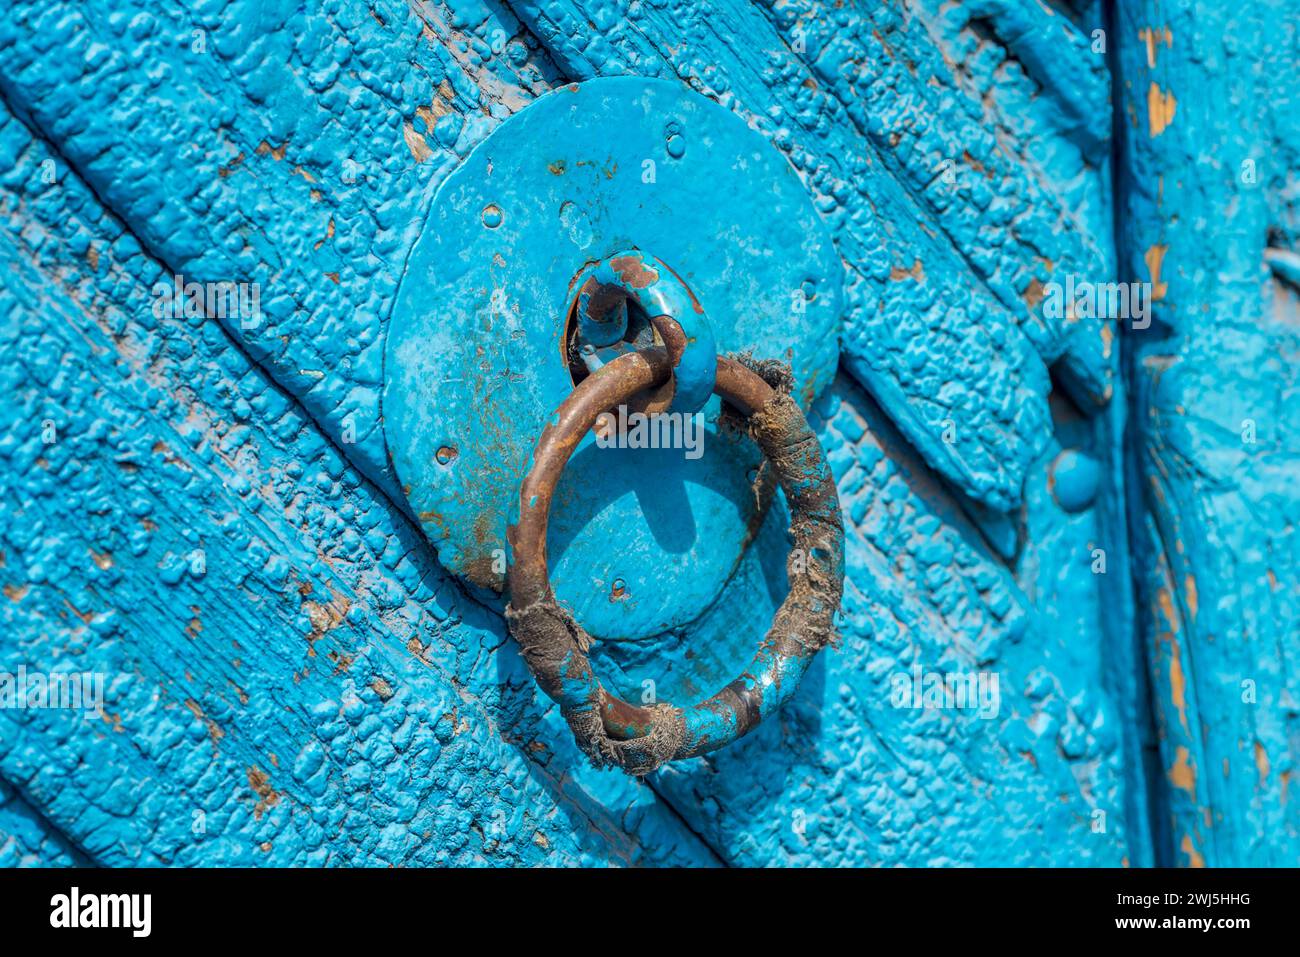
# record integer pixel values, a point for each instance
(534, 269)
(612, 732)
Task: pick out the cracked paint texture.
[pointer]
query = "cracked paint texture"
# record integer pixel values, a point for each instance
(1213, 148)
(318, 690)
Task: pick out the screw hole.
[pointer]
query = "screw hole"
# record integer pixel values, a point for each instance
(446, 455)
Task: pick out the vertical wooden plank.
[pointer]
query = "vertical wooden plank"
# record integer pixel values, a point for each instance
(1209, 217)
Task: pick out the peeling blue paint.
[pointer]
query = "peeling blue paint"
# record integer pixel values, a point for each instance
(203, 511)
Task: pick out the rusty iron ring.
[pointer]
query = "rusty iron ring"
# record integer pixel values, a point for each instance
(611, 731)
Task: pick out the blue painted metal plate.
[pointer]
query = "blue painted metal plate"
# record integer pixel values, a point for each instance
(641, 540)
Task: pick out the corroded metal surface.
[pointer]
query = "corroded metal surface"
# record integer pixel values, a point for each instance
(601, 310)
(641, 739)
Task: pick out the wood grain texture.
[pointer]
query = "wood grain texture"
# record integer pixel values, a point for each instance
(289, 676)
(1211, 150)
(267, 142)
(322, 692)
(309, 144)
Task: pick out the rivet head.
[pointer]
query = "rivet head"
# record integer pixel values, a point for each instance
(492, 216)
(676, 146)
(618, 590)
(445, 455)
(1073, 479)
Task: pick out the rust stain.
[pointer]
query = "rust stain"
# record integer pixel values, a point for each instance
(1153, 37)
(482, 572)
(1160, 109)
(261, 784)
(1154, 257)
(634, 271)
(16, 593)
(103, 561)
(1189, 586)
(1194, 858)
(92, 257)
(415, 143)
(1182, 775)
(557, 168)
(1032, 295)
(1261, 762)
(275, 152)
(917, 272)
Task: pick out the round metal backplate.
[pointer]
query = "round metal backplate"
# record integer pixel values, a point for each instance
(641, 540)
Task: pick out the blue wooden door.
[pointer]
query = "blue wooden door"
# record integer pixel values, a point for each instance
(1055, 507)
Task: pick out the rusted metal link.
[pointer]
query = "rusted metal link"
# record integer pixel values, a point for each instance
(612, 731)
(604, 289)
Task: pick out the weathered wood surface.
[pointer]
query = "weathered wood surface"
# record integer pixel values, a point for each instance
(323, 692)
(299, 148)
(290, 676)
(1212, 146)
